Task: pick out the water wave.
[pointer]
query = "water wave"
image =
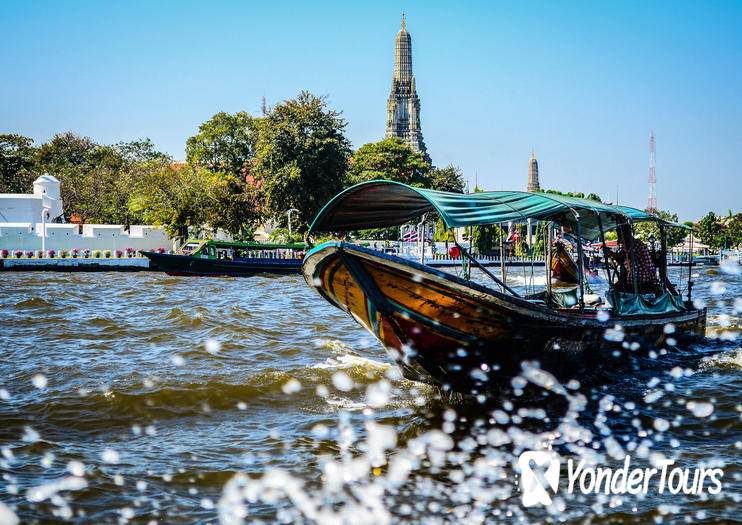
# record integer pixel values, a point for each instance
(731, 359)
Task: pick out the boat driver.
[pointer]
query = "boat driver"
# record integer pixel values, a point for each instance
(632, 254)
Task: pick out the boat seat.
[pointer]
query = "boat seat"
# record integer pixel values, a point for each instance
(591, 301)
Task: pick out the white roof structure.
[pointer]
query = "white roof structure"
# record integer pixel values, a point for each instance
(27, 208)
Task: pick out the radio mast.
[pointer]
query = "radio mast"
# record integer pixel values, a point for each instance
(652, 202)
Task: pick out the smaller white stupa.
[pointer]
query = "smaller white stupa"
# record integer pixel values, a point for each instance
(27, 208)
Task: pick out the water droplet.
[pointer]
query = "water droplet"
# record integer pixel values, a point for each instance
(76, 468)
(700, 409)
(661, 425)
(7, 516)
(213, 346)
(110, 456)
(342, 381)
(30, 435)
(322, 391)
(39, 381)
(177, 360)
(291, 386)
(613, 334)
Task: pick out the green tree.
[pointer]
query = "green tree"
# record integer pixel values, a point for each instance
(446, 179)
(224, 142)
(734, 228)
(175, 198)
(389, 159)
(301, 156)
(65, 151)
(97, 180)
(183, 197)
(486, 239)
(710, 230)
(17, 163)
(234, 205)
(140, 151)
(71, 158)
(645, 230)
(580, 195)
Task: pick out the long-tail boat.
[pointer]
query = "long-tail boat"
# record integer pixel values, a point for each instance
(234, 259)
(455, 333)
(563, 268)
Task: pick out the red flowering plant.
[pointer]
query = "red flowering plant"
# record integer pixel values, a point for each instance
(18, 254)
(4, 253)
(29, 254)
(160, 250)
(51, 253)
(130, 252)
(86, 253)
(75, 252)
(118, 253)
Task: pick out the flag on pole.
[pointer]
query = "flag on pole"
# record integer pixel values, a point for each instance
(410, 235)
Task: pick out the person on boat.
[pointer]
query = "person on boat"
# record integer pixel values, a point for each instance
(634, 254)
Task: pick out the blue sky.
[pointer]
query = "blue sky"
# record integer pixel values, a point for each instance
(581, 83)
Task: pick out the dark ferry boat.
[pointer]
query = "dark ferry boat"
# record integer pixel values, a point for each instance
(235, 259)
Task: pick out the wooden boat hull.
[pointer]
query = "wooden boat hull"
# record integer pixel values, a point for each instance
(186, 265)
(457, 334)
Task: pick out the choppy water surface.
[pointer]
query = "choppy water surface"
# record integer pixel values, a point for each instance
(146, 398)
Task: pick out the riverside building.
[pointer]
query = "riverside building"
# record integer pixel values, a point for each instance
(35, 221)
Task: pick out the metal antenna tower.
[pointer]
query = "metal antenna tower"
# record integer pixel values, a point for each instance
(652, 202)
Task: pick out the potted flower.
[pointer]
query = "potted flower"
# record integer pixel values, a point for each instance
(51, 254)
(96, 254)
(29, 254)
(40, 254)
(4, 254)
(160, 250)
(118, 253)
(107, 254)
(86, 253)
(130, 252)
(75, 252)
(63, 254)
(18, 254)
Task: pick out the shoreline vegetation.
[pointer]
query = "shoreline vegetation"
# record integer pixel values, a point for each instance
(243, 171)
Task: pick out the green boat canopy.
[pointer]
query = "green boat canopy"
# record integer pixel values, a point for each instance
(380, 204)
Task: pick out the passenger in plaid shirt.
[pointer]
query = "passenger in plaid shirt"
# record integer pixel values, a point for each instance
(634, 253)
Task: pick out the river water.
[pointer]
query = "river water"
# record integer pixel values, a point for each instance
(143, 398)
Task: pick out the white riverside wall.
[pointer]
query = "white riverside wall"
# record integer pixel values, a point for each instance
(27, 236)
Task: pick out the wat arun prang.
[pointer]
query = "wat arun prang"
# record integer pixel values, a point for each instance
(403, 108)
